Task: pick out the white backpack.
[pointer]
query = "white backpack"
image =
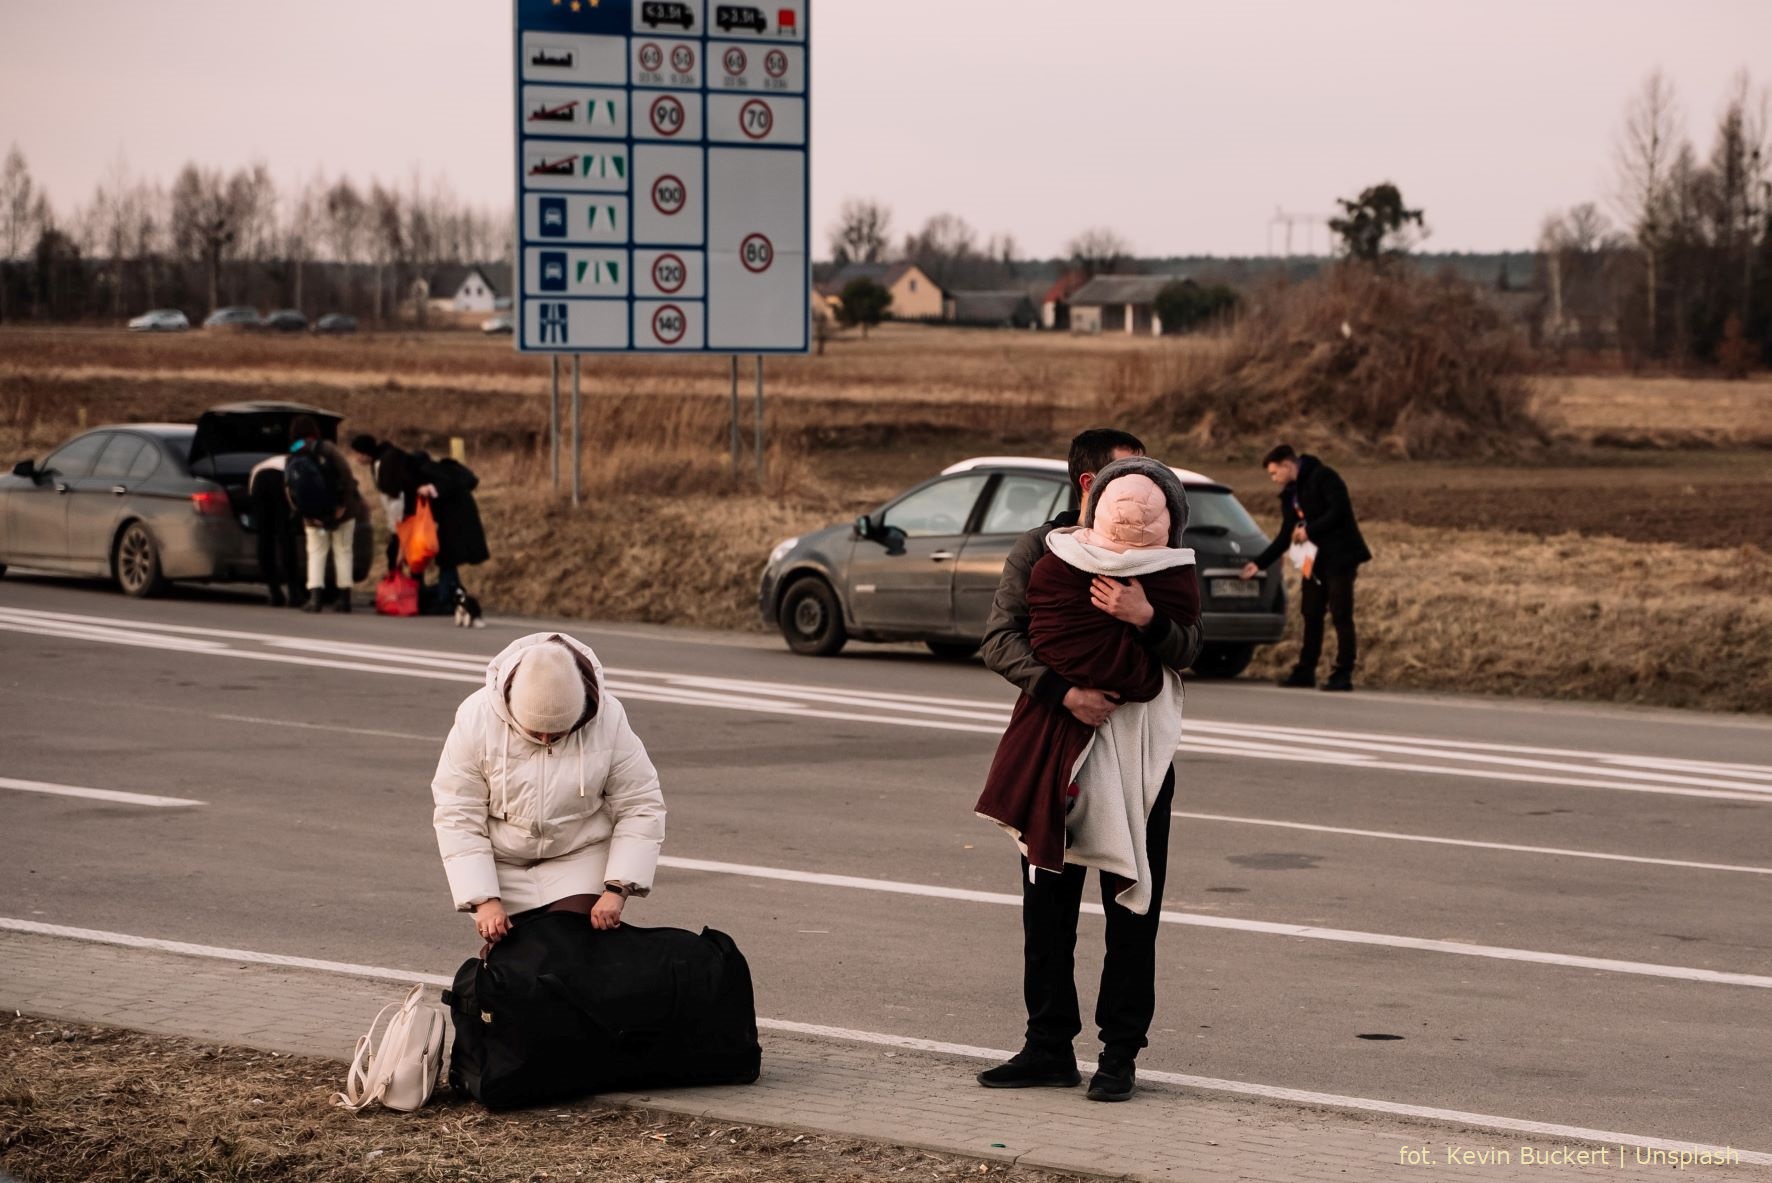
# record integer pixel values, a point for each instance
(401, 1070)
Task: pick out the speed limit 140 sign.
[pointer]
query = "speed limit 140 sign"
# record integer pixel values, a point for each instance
(662, 176)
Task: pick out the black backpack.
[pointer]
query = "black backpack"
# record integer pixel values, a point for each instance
(559, 1010)
(304, 476)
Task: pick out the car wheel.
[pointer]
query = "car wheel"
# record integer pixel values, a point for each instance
(1223, 661)
(952, 650)
(812, 619)
(136, 563)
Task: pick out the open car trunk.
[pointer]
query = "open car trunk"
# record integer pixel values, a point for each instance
(231, 439)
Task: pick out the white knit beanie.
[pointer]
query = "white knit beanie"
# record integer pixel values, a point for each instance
(548, 690)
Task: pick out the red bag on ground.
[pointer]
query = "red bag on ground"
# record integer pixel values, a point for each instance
(397, 595)
(418, 537)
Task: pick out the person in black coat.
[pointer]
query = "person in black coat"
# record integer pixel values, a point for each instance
(1315, 508)
(449, 485)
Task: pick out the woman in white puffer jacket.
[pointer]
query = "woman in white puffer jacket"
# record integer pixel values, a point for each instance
(545, 797)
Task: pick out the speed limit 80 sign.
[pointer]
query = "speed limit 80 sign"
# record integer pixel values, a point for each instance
(663, 179)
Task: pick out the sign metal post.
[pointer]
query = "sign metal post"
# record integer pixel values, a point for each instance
(759, 439)
(575, 447)
(554, 417)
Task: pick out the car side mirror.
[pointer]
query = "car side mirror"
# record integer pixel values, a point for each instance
(26, 469)
(864, 526)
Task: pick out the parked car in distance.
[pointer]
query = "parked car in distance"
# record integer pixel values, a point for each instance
(336, 322)
(285, 320)
(160, 320)
(147, 503)
(235, 316)
(502, 323)
(925, 566)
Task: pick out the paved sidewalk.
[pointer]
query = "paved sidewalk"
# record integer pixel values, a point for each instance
(818, 1085)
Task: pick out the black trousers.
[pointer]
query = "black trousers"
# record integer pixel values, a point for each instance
(278, 562)
(1332, 591)
(1128, 996)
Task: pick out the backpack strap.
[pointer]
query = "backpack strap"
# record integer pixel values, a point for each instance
(360, 1090)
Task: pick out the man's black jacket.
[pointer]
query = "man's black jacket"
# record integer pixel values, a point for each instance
(1328, 519)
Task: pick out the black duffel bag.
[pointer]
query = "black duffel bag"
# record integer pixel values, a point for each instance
(558, 1010)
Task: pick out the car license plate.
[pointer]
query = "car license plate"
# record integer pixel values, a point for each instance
(1235, 589)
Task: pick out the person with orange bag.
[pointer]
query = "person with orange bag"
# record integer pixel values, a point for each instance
(402, 478)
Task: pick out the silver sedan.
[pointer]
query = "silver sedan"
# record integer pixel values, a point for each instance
(130, 503)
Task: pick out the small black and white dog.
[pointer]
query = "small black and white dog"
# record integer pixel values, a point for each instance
(467, 610)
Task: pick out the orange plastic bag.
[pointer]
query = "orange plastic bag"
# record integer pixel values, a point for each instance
(418, 537)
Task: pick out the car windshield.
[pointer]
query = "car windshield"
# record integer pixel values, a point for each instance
(1216, 511)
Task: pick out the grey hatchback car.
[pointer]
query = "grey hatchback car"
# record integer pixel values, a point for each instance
(925, 566)
(146, 503)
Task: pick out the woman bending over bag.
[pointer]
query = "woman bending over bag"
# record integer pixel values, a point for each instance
(545, 797)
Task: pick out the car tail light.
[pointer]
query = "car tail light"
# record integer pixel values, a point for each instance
(211, 503)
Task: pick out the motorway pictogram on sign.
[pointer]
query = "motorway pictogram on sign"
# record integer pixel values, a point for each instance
(756, 252)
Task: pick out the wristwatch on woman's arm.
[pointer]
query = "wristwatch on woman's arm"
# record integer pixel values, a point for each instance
(620, 889)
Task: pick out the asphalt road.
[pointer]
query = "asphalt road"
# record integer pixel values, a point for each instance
(1525, 977)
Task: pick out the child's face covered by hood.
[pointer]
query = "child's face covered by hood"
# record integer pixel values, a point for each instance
(1131, 513)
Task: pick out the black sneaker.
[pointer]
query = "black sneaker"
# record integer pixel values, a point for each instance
(1114, 1080)
(311, 604)
(1339, 682)
(1298, 680)
(1030, 1069)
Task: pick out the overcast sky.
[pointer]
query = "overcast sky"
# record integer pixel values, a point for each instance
(1183, 124)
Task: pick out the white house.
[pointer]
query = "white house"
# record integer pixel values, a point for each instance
(476, 288)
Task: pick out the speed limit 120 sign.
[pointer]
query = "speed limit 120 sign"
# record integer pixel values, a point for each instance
(665, 141)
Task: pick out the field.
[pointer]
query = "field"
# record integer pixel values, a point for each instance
(1624, 561)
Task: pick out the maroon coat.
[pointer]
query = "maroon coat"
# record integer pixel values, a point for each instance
(1029, 785)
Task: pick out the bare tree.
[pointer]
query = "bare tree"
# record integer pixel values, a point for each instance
(205, 221)
(1098, 251)
(863, 233)
(945, 248)
(21, 210)
(387, 228)
(1643, 158)
(346, 216)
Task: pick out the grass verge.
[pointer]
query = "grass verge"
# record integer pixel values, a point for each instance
(82, 1104)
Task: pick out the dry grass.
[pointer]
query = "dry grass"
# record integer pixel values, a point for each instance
(92, 1105)
(1561, 617)
(1658, 412)
(1384, 359)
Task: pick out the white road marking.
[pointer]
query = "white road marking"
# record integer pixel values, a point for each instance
(1514, 763)
(1508, 846)
(55, 790)
(937, 1047)
(1233, 924)
(370, 731)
